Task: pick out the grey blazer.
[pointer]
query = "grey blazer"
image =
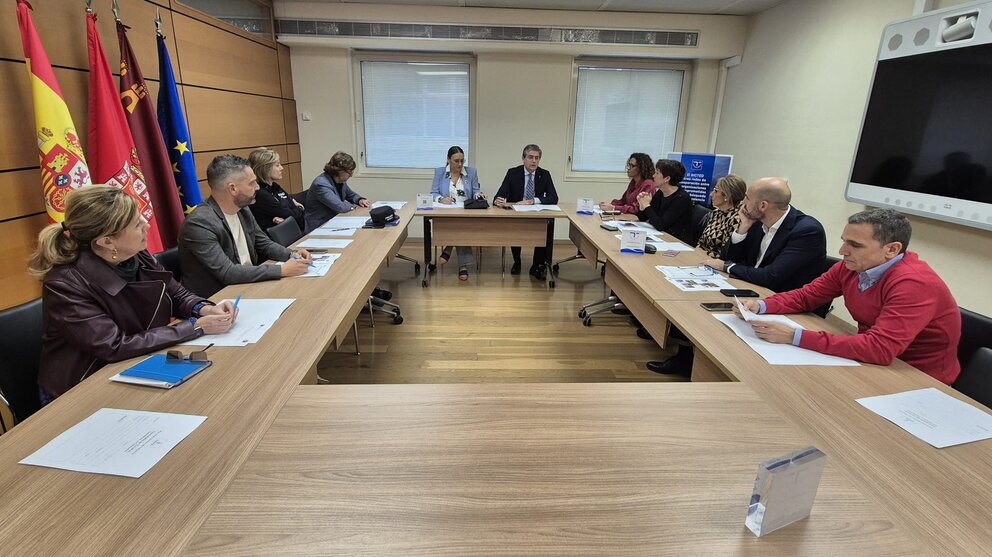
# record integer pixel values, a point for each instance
(323, 201)
(208, 255)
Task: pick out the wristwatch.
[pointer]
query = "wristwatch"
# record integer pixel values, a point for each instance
(727, 265)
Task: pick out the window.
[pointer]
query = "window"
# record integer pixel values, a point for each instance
(619, 111)
(413, 112)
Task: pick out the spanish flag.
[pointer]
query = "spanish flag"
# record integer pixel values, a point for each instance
(63, 167)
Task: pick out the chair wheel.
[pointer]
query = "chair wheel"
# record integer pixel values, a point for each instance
(397, 319)
(582, 313)
(554, 268)
(432, 267)
(587, 321)
(416, 268)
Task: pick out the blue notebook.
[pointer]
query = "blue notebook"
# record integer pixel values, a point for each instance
(156, 371)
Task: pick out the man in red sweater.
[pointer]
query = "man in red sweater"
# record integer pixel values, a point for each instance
(903, 309)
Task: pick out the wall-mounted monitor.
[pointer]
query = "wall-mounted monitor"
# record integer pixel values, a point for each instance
(926, 136)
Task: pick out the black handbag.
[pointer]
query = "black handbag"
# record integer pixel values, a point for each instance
(477, 203)
(381, 216)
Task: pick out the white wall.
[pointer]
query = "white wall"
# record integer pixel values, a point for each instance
(793, 108)
(510, 111)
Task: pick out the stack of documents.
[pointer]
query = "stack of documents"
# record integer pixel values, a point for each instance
(255, 318)
(341, 221)
(694, 279)
(323, 243)
(397, 205)
(535, 208)
(779, 354)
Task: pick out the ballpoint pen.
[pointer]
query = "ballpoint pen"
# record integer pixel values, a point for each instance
(236, 302)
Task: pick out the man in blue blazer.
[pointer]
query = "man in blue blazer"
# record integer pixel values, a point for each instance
(776, 246)
(528, 184)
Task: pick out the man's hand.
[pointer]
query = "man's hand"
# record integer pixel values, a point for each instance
(500, 202)
(526, 202)
(365, 203)
(745, 224)
(715, 264)
(777, 333)
(294, 267)
(751, 305)
(644, 200)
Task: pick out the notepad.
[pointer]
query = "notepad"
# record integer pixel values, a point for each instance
(157, 371)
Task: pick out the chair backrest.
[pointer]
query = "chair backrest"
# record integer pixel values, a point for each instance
(286, 232)
(976, 332)
(700, 216)
(170, 260)
(976, 378)
(823, 310)
(20, 347)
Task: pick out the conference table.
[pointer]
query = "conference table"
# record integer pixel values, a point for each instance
(283, 466)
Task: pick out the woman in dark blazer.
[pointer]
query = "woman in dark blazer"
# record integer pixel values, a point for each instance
(272, 204)
(105, 298)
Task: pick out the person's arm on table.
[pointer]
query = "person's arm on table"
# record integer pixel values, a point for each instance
(202, 243)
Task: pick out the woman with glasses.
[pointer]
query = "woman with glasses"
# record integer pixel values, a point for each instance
(453, 184)
(640, 169)
(727, 197)
(272, 204)
(105, 298)
(329, 193)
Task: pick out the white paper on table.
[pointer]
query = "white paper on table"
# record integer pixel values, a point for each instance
(932, 416)
(535, 208)
(342, 221)
(340, 232)
(621, 224)
(321, 264)
(687, 272)
(702, 284)
(117, 442)
(323, 243)
(439, 205)
(661, 245)
(752, 317)
(780, 354)
(255, 317)
(394, 204)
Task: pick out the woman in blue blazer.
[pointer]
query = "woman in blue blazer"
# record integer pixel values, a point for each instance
(456, 183)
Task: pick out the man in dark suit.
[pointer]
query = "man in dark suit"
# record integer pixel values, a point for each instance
(776, 246)
(528, 184)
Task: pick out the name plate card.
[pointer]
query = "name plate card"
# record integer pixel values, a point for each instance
(424, 202)
(586, 206)
(784, 490)
(632, 240)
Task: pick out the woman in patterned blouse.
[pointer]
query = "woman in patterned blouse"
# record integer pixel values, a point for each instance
(727, 197)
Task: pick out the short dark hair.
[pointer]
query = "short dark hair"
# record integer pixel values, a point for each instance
(531, 147)
(340, 162)
(222, 167)
(887, 225)
(644, 165)
(673, 170)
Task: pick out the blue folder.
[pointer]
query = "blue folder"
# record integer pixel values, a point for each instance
(157, 371)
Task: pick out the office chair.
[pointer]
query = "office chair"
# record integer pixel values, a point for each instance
(285, 233)
(20, 344)
(976, 378)
(700, 216)
(976, 332)
(169, 259)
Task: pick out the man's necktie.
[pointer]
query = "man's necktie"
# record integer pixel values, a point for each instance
(529, 188)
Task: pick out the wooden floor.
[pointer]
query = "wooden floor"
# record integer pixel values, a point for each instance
(493, 328)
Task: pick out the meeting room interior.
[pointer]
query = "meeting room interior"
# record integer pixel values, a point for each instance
(495, 277)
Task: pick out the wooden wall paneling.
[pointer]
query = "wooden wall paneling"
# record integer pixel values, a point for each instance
(294, 153)
(285, 72)
(289, 116)
(62, 28)
(204, 189)
(211, 57)
(17, 133)
(224, 119)
(202, 159)
(179, 8)
(295, 182)
(20, 193)
(20, 238)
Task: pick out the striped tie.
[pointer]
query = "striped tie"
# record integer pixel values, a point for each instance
(529, 188)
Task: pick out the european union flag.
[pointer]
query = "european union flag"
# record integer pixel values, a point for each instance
(174, 131)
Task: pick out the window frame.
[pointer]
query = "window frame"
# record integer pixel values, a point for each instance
(686, 67)
(358, 108)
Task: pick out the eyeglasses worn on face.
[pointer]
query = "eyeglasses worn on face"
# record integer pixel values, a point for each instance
(176, 356)
(631, 164)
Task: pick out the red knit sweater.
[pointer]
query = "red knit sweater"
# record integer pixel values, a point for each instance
(909, 314)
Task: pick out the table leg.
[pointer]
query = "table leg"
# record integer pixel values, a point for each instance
(427, 252)
(549, 245)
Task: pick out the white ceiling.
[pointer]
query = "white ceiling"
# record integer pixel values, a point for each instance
(722, 7)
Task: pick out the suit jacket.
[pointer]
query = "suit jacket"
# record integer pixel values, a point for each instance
(93, 316)
(208, 255)
(512, 188)
(470, 183)
(323, 201)
(796, 256)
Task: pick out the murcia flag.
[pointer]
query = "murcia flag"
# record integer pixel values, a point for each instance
(113, 158)
(63, 167)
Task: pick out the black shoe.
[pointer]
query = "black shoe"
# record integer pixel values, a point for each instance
(633, 321)
(515, 269)
(679, 364)
(539, 273)
(620, 311)
(382, 294)
(643, 333)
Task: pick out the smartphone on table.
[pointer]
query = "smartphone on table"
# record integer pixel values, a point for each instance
(739, 292)
(717, 306)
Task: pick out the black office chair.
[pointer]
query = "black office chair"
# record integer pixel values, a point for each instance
(976, 378)
(700, 216)
(976, 332)
(20, 345)
(170, 260)
(286, 232)
(828, 262)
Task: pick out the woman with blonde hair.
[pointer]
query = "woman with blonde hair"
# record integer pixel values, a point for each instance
(105, 298)
(272, 204)
(727, 197)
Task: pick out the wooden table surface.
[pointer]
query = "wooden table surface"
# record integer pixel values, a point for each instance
(565, 469)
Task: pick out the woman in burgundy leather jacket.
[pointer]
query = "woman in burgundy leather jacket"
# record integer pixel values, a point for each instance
(105, 298)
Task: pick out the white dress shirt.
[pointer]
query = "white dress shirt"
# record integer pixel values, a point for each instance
(766, 240)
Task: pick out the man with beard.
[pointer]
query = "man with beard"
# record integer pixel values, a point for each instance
(220, 242)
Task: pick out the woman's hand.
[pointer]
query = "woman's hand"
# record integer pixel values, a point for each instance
(215, 324)
(606, 206)
(277, 220)
(365, 203)
(644, 200)
(447, 200)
